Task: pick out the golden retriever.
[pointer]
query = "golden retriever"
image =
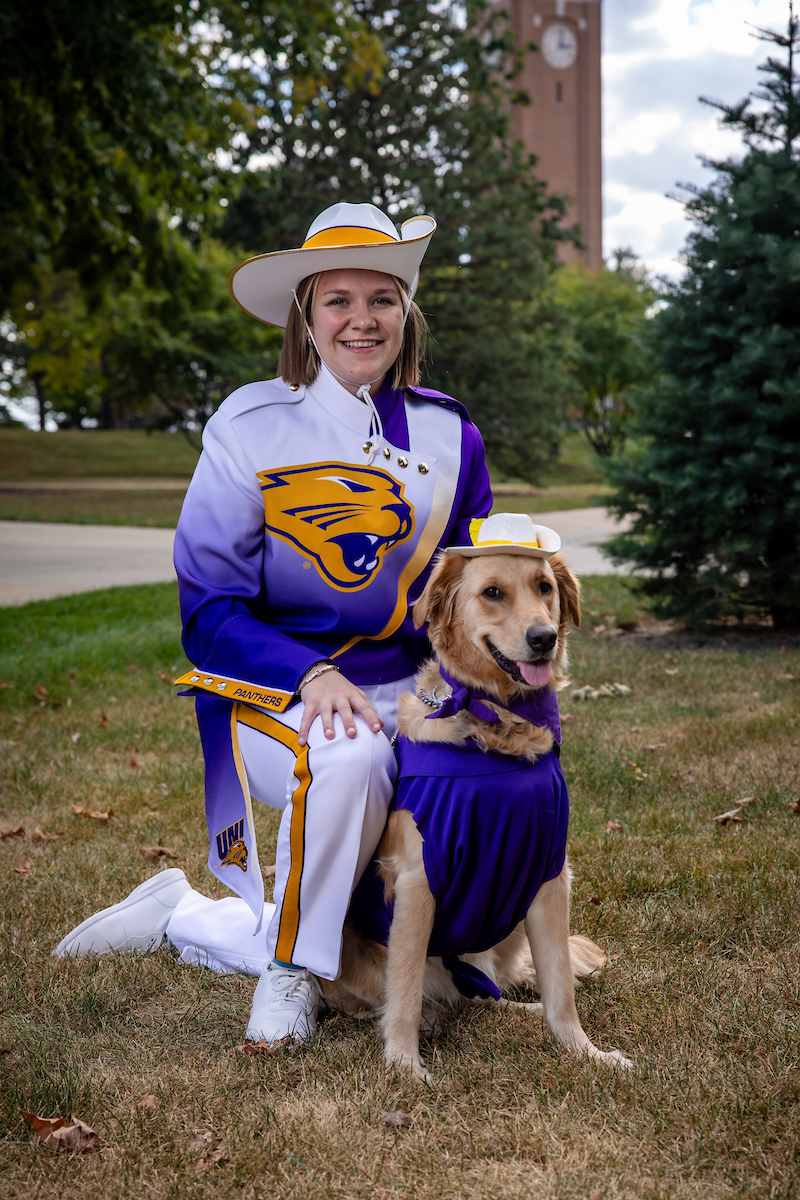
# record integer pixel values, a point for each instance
(495, 622)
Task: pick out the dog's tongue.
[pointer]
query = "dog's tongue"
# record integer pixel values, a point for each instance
(535, 674)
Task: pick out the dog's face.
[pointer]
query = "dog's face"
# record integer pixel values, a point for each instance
(500, 620)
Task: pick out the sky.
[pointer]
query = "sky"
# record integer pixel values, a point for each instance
(659, 56)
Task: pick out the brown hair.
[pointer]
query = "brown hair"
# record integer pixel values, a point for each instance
(299, 361)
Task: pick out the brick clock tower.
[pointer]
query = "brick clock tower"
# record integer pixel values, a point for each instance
(562, 124)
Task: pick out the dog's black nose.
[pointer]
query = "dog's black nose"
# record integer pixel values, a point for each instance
(541, 638)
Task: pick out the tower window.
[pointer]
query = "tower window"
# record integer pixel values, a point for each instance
(559, 93)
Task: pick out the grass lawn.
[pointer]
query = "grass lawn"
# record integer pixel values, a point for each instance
(703, 990)
(75, 456)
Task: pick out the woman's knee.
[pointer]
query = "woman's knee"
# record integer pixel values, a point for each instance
(366, 758)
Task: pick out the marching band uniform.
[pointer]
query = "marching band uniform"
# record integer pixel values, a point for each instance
(334, 582)
(307, 533)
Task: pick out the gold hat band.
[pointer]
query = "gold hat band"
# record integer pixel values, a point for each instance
(346, 235)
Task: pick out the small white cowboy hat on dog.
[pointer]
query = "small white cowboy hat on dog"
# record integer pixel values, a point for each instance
(509, 533)
(356, 236)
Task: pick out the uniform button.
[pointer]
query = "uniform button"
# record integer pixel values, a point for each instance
(422, 468)
(402, 461)
(367, 447)
(294, 387)
(387, 452)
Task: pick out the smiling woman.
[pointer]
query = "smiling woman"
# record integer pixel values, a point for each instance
(308, 532)
(360, 323)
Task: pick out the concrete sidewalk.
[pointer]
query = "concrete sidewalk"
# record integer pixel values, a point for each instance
(39, 561)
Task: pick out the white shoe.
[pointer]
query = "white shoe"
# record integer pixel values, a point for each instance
(285, 1004)
(138, 922)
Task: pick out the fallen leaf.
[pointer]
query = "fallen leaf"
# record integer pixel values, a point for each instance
(6, 1050)
(786, 676)
(262, 1049)
(614, 826)
(636, 729)
(25, 871)
(17, 720)
(39, 835)
(104, 720)
(203, 1139)
(76, 737)
(596, 901)
(212, 1147)
(80, 811)
(57, 1133)
(567, 717)
(269, 872)
(17, 831)
(396, 1118)
(147, 1104)
(795, 807)
(40, 691)
(164, 789)
(656, 746)
(165, 675)
(755, 968)
(151, 852)
(4, 685)
(749, 800)
(133, 668)
(731, 817)
(598, 1195)
(133, 763)
(671, 670)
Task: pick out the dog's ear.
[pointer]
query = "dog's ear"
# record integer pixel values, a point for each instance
(569, 590)
(438, 600)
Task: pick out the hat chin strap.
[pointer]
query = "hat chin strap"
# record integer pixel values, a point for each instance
(375, 434)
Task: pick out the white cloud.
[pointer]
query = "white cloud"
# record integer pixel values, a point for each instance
(659, 57)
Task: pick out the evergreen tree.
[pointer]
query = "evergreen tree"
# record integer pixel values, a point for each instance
(715, 486)
(432, 135)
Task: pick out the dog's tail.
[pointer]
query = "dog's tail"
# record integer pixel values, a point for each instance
(587, 958)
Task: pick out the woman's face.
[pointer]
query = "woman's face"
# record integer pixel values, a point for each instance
(357, 319)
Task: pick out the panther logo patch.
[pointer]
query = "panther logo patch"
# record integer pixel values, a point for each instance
(231, 848)
(345, 518)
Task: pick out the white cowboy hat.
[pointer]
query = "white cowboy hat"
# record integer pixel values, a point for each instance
(509, 533)
(344, 235)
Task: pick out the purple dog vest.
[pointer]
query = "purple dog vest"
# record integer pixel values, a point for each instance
(494, 829)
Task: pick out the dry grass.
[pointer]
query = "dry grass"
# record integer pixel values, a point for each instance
(702, 991)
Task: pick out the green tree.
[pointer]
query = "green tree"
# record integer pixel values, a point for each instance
(169, 358)
(715, 488)
(49, 346)
(606, 313)
(117, 119)
(432, 135)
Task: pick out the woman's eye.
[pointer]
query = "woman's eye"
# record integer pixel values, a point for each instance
(492, 593)
(545, 588)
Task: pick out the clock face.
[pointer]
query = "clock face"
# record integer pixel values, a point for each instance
(559, 46)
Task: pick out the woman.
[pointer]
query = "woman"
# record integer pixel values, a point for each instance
(308, 531)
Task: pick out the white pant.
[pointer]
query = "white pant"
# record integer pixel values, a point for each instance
(334, 801)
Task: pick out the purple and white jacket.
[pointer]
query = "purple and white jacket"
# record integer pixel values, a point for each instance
(296, 544)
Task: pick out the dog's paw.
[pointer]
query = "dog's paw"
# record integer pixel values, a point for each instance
(409, 1063)
(614, 1059)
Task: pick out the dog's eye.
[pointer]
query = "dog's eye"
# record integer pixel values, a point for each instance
(545, 588)
(493, 593)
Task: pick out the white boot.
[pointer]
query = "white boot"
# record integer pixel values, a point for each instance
(137, 923)
(285, 1004)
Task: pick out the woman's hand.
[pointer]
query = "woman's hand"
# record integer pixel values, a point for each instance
(331, 692)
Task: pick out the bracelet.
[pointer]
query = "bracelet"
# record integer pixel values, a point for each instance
(314, 672)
